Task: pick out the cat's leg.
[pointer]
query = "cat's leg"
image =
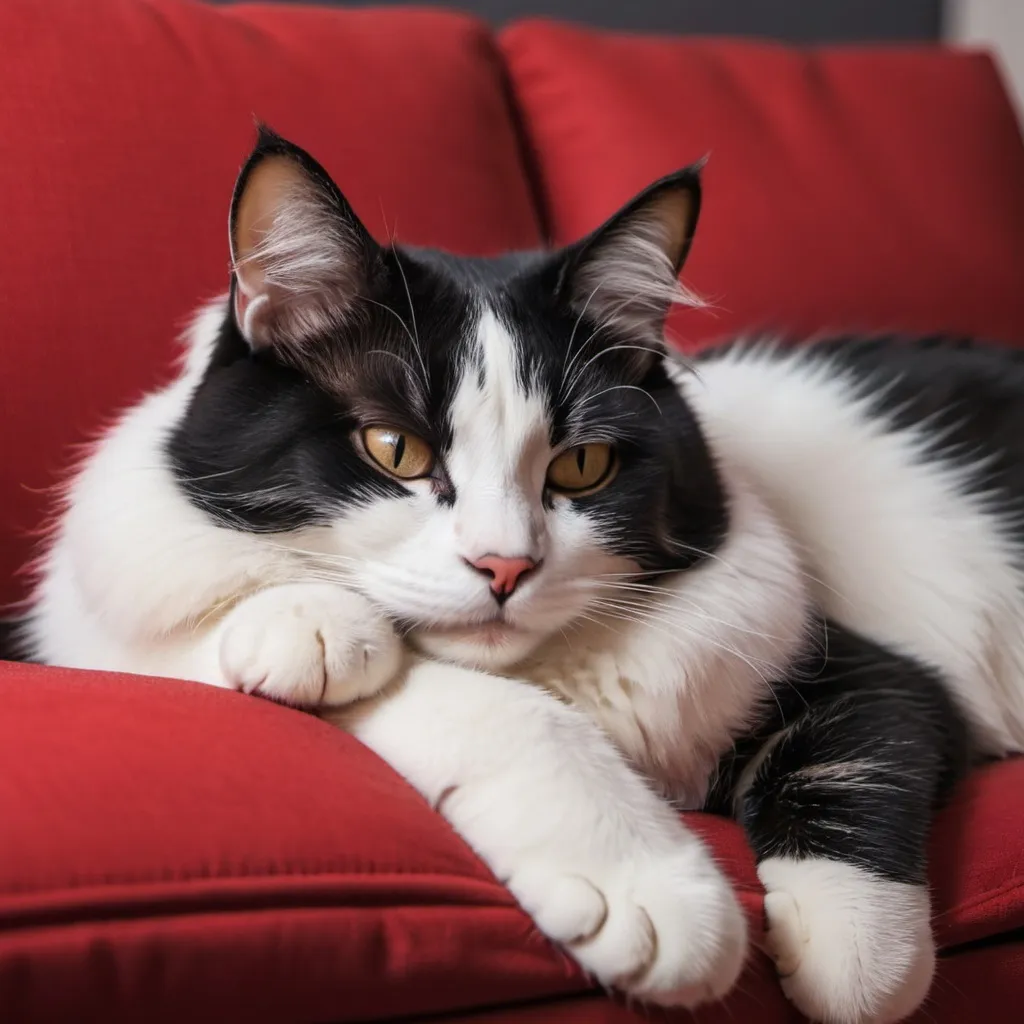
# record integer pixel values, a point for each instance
(605, 868)
(838, 806)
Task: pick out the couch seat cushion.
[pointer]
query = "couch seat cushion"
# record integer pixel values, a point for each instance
(171, 851)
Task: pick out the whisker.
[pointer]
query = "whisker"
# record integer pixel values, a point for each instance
(388, 309)
(572, 335)
(394, 355)
(645, 615)
(412, 316)
(621, 347)
(751, 663)
(656, 622)
(693, 607)
(618, 387)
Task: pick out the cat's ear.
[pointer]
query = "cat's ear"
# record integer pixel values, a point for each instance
(301, 259)
(626, 273)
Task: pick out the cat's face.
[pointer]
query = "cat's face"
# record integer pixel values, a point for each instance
(491, 450)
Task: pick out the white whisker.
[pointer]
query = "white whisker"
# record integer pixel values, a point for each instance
(412, 316)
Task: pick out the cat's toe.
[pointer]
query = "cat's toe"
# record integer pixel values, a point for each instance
(786, 936)
(360, 658)
(850, 947)
(568, 909)
(699, 930)
(664, 929)
(309, 646)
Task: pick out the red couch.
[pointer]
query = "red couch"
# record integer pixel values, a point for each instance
(173, 852)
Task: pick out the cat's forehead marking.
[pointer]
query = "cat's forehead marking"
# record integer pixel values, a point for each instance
(496, 419)
(492, 395)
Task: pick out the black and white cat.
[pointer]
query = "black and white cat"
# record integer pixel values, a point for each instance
(474, 511)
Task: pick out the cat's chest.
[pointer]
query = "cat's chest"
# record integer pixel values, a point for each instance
(644, 701)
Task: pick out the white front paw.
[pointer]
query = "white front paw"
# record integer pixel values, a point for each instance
(662, 927)
(309, 645)
(850, 947)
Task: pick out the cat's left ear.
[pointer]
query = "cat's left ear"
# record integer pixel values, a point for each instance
(301, 258)
(626, 273)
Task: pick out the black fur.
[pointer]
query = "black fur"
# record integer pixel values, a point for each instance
(268, 441)
(12, 645)
(855, 700)
(970, 395)
(857, 749)
(267, 445)
(859, 744)
(967, 396)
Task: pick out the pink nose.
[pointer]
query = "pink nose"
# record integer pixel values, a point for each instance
(505, 573)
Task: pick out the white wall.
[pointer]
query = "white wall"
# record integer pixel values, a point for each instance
(997, 25)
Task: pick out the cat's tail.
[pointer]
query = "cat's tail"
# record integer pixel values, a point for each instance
(12, 639)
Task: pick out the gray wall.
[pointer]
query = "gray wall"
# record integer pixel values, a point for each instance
(795, 20)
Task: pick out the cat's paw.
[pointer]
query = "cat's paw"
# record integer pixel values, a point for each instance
(664, 928)
(308, 645)
(850, 947)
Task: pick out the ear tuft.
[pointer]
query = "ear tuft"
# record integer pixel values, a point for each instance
(626, 274)
(301, 259)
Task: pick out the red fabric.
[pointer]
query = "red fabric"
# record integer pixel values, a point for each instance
(177, 849)
(177, 852)
(970, 987)
(124, 124)
(173, 852)
(851, 188)
(977, 857)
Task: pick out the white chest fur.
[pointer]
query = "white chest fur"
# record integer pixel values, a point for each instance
(679, 676)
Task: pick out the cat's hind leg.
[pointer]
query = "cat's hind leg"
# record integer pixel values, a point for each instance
(837, 805)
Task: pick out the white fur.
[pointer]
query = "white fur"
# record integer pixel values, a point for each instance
(314, 643)
(138, 580)
(630, 281)
(602, 864)
(893, 545)
(673, 678)
(301, 276)
(851, 947)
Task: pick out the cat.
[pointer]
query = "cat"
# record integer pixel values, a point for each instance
(476, 511)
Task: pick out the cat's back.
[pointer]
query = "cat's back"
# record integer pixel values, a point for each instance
(898, 467)
(964, 394)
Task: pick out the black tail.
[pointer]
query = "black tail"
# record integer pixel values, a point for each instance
(12, 640)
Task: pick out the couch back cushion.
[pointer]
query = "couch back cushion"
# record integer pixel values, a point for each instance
(124, 124)
(846, 188)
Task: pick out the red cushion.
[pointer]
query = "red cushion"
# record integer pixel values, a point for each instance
(846, 188)
(976, 985)
(175, 847)
(978, 857)
(169, 851)
(124, 125)
(179, 849)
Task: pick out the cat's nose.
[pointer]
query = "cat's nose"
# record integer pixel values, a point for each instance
(505, 573)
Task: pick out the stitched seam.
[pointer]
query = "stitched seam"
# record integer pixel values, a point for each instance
(991, 896)
(101, 915)
(284, 875)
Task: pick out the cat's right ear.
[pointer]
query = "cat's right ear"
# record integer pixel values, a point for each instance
(626, 272)
(301, 259)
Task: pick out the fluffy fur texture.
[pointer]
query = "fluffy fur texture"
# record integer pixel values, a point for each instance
(795, 595)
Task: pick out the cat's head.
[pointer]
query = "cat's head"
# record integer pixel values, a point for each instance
(490, 449)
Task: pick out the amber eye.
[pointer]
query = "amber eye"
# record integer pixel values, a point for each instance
(583, 469)
(403, 455)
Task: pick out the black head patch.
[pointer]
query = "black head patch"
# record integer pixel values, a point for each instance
(328, 331)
